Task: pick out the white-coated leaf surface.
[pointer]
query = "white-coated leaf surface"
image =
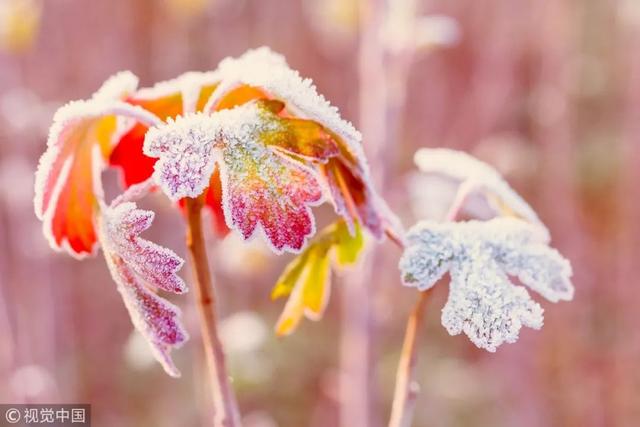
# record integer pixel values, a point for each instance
(481, 257)
(263, 190)
(482, 177)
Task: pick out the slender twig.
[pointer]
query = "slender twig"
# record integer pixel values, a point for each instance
(407, 388)
(225, 405)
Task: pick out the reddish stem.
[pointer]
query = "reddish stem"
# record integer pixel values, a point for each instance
(407, 388)
(226, 412)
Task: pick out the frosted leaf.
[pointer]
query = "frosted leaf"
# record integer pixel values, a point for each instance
(263, 188)
(269, 71)
(464, 168)
(140, 268)
(185, 149)
(67, 183)
(263, 74)
(480, 257)
(355, 200)
(485, 306)
(193, 87)
(118, 86)
(168, 99)
(426, 259)
(542, 269)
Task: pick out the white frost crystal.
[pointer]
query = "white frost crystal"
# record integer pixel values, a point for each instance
(480, 257)
(186, 157)
(480, 176)
(269, 71)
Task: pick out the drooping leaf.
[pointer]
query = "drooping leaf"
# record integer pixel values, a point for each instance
(140, 268)
(482, 177)
(68, 185)
(264, 184)
(480, 257)
(306, 280)
(355, 201)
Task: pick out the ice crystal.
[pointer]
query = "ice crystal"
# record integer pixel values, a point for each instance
(262, 187)
(480, 257)
(140, 268)
(479, 176)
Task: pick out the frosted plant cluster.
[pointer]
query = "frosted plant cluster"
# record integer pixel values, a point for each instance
(477, 176)
(253, 138)
(481, 257)
(140, 268)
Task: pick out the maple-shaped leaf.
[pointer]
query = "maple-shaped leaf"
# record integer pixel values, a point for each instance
(265, 184)
(68, 183)
(481, 257)
(479, 177)
(262, 74)
(306, 279)
(140, 268)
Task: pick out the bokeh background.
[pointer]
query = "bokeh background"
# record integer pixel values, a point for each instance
(548, 91)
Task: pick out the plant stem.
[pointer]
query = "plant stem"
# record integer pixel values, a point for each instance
(225, 406)
(407, 388)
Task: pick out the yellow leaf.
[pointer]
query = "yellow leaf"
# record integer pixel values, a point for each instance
(289, 276)
(348, 247)
(316, 286)
(307, 278)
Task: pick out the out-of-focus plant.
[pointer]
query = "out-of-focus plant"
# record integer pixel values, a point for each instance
(187, 9)
(19, 24)
(257, 145)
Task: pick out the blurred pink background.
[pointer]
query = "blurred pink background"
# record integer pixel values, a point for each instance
(548, 91)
